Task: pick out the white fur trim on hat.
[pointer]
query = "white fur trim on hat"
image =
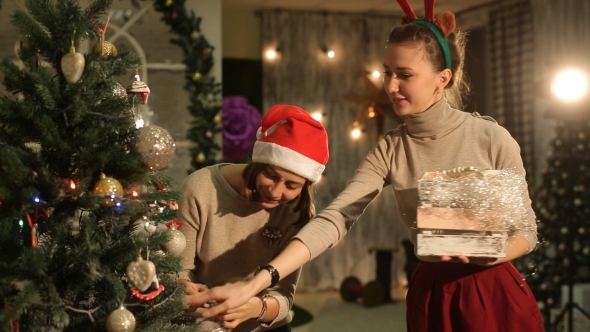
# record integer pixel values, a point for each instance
(278, 155)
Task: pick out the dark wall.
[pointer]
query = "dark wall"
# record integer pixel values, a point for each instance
(243, 77)
(475, 64)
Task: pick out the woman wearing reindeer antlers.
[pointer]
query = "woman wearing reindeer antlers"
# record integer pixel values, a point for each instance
(423, 78)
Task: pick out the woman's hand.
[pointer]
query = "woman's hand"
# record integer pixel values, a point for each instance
(485, 261)
(227, 297)
(234, 317)
(192, 288)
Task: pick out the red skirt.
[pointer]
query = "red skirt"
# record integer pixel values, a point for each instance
(456, 297)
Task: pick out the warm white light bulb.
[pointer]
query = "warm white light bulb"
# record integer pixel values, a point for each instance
(139, 123)
(317, 116)
(355, 133)
(376, 74)
(271, 54)
(570, 85)
(331, 54)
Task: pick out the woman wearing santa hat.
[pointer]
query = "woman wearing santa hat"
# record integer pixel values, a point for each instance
(422, 65)
(237, 217)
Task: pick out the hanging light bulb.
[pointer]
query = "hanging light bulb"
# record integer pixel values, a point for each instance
(570, 85)
(371, 112)
(356, 130)
(317, 116)
(272, 53)
(376, 74)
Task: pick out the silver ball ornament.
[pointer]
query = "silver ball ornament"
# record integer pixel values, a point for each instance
(156, 146)
(177, 242)
(121, 320)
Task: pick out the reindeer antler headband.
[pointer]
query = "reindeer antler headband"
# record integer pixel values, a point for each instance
(441, 28)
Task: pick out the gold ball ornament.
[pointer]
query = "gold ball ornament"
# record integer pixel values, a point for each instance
(200, 157)
(110, 189)
(104, 48)
(155, 145)
(169, 3)
(197, 76)
(121, 320)
(217, 119)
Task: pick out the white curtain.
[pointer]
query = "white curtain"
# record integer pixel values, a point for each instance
(561, 36)
(303, 75)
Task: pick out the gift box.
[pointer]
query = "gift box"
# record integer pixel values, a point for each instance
(465, 211)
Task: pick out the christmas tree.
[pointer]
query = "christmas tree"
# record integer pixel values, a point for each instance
(83, 202)
(562, 257)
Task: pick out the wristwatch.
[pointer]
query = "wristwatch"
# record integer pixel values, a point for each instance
(274, 274)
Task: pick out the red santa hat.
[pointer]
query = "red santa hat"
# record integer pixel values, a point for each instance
(290, 138)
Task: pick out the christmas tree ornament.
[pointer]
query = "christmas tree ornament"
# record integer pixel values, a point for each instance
(149, 296)
(119, 91)
(177, 241)
(110, 189)
(139, 88)
(141, 274)
(200, 157)
(195, 35)
(104, 48)
(155, 145)
(197, 76)
(20, 44)
(72, 65)
(149, 225)
(121, 320)
(217, 119)
(169, 3)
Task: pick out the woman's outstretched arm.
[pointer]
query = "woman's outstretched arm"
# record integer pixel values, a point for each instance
(231, 296)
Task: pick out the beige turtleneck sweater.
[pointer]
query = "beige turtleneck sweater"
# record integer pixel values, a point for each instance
(225, 241)
(440, 138)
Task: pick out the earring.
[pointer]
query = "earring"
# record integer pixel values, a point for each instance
(438, 91)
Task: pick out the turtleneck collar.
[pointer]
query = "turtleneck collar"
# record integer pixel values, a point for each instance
(434, 123)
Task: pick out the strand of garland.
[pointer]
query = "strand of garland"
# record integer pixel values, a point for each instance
(204, 92)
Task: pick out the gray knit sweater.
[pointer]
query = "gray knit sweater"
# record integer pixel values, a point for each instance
(225, 241)
(438, 139)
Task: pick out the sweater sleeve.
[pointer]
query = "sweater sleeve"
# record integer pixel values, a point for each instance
(332, 224)
(507, 156)
(283, 292)
(188, 214)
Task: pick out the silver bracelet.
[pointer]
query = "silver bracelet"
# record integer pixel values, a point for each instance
(264, 307)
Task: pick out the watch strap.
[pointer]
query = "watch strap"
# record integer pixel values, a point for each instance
(274, 274)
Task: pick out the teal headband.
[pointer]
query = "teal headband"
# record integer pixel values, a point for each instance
(439, 37)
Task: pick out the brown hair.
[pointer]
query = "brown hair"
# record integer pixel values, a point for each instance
(419, 35)
(303, 204)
